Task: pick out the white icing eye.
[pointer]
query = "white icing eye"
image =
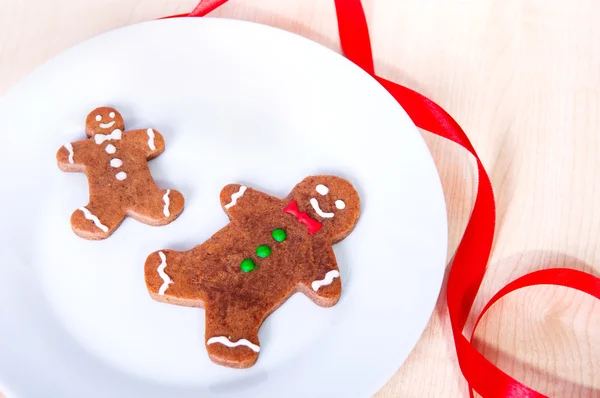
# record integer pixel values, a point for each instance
(322, 189)
(340, 204)
(98, 118)
(112, 115)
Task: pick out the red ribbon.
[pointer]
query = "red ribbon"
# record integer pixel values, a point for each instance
(303, 218)
(472, 254)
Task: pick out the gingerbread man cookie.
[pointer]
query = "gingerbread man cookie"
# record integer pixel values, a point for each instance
(120, 183)
(271, 249)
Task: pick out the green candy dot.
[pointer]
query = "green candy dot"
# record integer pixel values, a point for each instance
(263, 251)
(279, 235)
(247, 265)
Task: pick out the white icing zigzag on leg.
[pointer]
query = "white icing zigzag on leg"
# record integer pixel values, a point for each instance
(89, 216)
(225, 341)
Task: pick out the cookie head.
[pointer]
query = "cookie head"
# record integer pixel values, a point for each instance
(103, 120)
(330, 200)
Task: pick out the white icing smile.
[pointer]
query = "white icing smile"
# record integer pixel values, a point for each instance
(323, 190)
(315, 205)
(107, 125)
(225, 341)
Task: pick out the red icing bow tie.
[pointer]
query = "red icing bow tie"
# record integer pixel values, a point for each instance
(312, 224)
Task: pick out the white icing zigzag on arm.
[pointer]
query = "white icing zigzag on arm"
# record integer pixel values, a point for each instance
(161, 271)
(167, 201)
(225, 341)
(235, 197)
(69, 148)
(328, 280)
(150, 133)
(89, 216)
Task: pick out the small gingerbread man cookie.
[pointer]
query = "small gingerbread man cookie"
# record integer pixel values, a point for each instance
(271, 249)
(120, 183)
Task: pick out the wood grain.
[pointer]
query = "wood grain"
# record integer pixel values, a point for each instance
(522, 77)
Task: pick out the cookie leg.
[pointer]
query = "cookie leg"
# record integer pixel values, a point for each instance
(160, 207)
(172, 277)
(232, 335)
(96, 221)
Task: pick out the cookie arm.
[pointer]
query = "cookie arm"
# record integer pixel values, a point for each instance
(239, 201)
(322, 283)
(69, 156)
(171, 278)
(150, 139)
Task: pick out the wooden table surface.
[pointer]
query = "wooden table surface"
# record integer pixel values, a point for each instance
(522, 77)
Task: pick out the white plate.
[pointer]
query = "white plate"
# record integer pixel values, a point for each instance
(236, 102)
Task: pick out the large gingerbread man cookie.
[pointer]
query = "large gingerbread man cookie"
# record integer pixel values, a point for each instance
(120, 183)
(271, 249)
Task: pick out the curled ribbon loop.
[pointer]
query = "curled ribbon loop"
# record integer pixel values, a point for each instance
(115, 135)
(472, 254)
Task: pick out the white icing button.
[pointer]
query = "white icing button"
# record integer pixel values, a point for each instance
(340, 204)
(110, 148)
(322, 189)
(98, 118)
(121, 175)
(116, 162)
(112, 115)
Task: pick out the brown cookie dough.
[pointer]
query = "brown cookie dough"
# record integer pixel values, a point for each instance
(271, 249)
(120, 183)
